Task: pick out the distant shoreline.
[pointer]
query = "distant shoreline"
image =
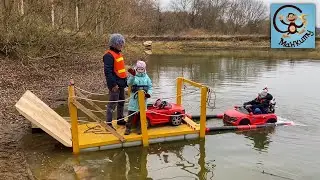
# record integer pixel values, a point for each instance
(253, 38)
(238, 46)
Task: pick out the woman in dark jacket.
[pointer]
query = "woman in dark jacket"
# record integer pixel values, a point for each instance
(260, 104)
(116, 77)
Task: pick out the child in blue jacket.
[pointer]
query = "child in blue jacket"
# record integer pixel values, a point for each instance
(137, 80)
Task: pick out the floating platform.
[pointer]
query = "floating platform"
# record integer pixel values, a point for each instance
(93, 136)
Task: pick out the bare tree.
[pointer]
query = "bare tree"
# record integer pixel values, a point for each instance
(52, 12)
(77, 16)
(44, 22)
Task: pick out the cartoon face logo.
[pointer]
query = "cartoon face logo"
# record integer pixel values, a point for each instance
(291, 18)
(292, 25)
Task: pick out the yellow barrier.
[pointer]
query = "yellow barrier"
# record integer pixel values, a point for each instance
(74, 105)
(143, 118)
(73, 111)
(204, 91)
(203, 111)
(179, 90)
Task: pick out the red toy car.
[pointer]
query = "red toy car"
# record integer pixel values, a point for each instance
(241, 116)
(162, 112)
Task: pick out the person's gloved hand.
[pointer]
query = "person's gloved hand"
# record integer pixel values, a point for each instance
(132, 71)
(147, 95)
(248, 106)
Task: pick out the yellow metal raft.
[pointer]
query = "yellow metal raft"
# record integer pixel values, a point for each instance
(97, 135)
(100, 139)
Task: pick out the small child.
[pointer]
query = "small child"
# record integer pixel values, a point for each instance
(137, 80)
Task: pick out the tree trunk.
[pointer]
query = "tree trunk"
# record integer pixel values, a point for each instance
(52, 12)
(97, 27)
(77, 16)
(21, 8)
(6, 13)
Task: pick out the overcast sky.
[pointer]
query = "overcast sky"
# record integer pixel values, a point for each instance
(164, 4)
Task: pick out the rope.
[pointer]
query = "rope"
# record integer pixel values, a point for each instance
(167, 114)
(159, 93)
(98, 128)
(211, 106)
(113, 120)
(95, 100)
(97, 111)
(208, 100)
(173, 97)
(95, 129)
(126, 116)
(90, 92)
(126, 100)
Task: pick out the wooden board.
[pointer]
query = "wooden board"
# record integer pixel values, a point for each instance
(40, 114)
(191, 123)
(80, 120)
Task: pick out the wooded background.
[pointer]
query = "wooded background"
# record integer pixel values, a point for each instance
(34, 22)
(139, 17)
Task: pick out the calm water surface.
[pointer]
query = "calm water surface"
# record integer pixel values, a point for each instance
(290, 152)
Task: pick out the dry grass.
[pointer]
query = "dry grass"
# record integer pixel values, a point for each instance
(238, 49)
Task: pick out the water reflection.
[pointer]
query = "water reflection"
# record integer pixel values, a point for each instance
(187, 160)
(184, 159)
(130, 163)
(260, 138)
(235, 81)
(207, 68)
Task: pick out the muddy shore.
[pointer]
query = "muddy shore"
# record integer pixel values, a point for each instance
(48, 79)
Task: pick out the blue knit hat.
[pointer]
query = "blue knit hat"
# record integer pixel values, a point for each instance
(116, 39)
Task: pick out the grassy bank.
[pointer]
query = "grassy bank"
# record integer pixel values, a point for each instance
(227, 46)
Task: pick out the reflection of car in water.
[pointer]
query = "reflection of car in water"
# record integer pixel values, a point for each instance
(241, 116)
(139, 162)
(260, 137)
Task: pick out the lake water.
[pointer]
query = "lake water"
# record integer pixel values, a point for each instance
(285, 152)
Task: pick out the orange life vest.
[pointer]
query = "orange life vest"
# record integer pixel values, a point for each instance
(118, 64)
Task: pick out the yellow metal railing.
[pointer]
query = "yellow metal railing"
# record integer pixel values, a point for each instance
(73, 111)
(203, 103)
(74, 106)
(143, 118)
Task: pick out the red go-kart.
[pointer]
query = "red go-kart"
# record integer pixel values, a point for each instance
(162, 112)
(243, 116)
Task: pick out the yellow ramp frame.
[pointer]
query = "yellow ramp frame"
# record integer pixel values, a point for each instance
(40, 114)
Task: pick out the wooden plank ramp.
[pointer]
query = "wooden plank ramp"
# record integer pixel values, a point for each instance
(81, 120)
(40, 114)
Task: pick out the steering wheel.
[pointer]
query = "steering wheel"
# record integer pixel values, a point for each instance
(163, 104)
(160, 104)
(157, 103)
